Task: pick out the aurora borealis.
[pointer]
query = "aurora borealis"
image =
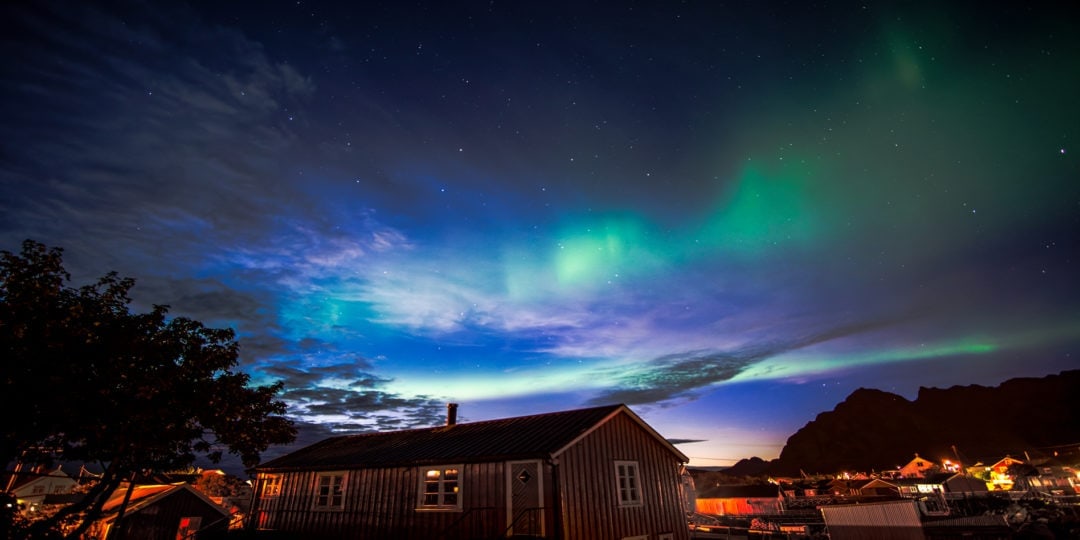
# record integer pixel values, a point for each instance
(727, 216)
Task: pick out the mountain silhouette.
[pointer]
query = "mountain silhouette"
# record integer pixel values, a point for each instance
(872, 430)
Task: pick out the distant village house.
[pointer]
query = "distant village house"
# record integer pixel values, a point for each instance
(30, 488)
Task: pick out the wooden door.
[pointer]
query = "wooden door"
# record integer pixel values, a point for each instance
(524, 498)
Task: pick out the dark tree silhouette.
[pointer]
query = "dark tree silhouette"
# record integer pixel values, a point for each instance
(87, 380)
(220, 485)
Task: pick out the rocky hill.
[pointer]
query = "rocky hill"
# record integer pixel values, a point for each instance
(875, 430)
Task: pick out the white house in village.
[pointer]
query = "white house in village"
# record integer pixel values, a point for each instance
(30, 490)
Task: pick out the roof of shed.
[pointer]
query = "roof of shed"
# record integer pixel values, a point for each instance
(755, 491)
(146, 495)
(536, 436)
(931, 479)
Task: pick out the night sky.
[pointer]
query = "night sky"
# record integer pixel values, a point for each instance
(727, 216)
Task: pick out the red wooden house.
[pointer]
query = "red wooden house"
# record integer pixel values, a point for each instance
(590, 473)
(159, 512)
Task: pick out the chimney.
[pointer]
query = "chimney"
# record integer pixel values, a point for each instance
(451, 414)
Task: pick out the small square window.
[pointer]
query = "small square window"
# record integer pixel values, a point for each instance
(440, 488)
(330, 491)
(627, 482)
(189, 527)
(271, 486)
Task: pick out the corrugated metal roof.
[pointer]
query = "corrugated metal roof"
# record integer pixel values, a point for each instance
(139, 493)
(533, 436)
(143, 496)
(751, 491)
(886, 514)
(970, 521)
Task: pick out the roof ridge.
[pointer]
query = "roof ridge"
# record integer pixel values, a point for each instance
(533, 435)
(476, 423)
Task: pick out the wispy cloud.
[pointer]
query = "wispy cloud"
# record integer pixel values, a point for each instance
(348, 398)
(682, 376)
(151, 152)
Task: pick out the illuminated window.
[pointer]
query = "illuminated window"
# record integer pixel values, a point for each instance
(271, 486)
(626, 477)
(440, 488)
(189, 527)
(330, 490)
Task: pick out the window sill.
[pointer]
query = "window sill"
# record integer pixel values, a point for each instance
(438, 508)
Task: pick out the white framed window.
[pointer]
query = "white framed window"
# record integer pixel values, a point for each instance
(330, 491)
(440, 488)
(271, 486)
(627, 483)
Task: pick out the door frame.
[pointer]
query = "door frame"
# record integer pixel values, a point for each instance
(510, 511)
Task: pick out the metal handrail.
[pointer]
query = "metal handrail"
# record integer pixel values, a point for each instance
(521, 514)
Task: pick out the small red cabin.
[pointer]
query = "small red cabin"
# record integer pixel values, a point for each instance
(159, 512)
